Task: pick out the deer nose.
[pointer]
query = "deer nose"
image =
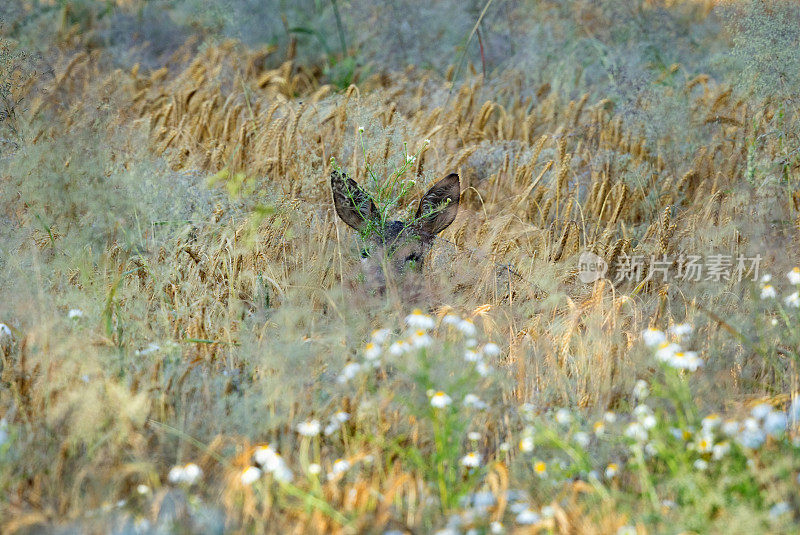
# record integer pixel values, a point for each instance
(373, 274)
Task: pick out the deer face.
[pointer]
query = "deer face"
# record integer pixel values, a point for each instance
(393, 250)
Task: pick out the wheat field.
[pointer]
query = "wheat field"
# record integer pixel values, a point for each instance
(188, 345)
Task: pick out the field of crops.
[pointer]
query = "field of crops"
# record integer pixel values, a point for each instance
(606, 339)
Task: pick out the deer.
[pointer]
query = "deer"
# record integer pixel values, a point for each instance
(392, 250)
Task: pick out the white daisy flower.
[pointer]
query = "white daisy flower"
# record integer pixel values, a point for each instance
(420, 338)
(399, 347)
(681, 329)
(599, 428)
(685, 360)
(341, 466)
(704, 443)
(760, 411)
(143, 489)
(775, 423)
(641, 390)
(653, 337)
(264, 455)
(467, 327)
(451, 319)
(528, 517)
(309, 428)
(75, 313)
(793, 300)
(526, 444)
(649, 421)
(641, 411)
(191, 473)
(730, 427)
(188, 473)
(718, 451)
(611, 470)
(250, 475)
(175, 474)
(379, 336)
(636, 431)
(750, 435)
(341, 416)
(768, 292)
(582, 439)
(491, 350)
(283, 474)
(711, 422)
(314, 469)
(331, 428)
(418, 320)
(701, 465)
(474, 436)
(471, 400)
(563, 416)
(372, 351)
(609, 417)
(472, 356)
(440, 400)
(483, 369)
(666, 350)
(471, 460)
(273, 463)
(349, 371)
(794, 275)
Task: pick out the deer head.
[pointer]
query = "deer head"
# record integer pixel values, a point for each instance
(391, 250)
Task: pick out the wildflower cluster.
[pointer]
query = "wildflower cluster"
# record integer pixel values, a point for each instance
(188, 474)
(669, 351)
(791, 300)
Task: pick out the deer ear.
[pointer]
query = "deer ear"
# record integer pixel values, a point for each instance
(352, 203)
(439, 206)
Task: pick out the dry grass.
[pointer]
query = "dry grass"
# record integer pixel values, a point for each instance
(256, 305)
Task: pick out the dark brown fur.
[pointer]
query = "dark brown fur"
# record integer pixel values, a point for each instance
(394, 250)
